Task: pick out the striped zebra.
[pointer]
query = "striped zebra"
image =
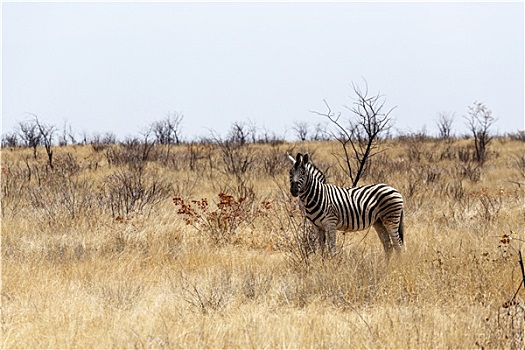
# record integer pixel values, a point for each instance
(332, 208)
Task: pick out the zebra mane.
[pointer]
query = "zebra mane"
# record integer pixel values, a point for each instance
(316, 172)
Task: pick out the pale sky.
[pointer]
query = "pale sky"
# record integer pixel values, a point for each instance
(120, 66)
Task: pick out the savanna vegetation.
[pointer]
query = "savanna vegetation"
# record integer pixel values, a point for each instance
(200, 245)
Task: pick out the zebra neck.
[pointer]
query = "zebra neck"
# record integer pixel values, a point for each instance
(311, 185)
(315, 173)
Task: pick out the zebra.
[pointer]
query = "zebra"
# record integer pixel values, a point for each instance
(330, 207)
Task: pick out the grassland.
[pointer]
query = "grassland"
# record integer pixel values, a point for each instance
(97, 254)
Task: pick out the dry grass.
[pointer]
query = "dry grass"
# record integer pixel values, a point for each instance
(79, 271)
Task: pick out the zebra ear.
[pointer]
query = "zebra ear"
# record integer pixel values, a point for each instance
(299, 158)
(305, 158)
(292, 160)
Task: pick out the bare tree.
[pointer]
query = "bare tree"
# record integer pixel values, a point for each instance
(62, 138)
(67, 136)
(252, 131)
(444, 124)
(100, 142)
(320, 132)
(360, 139)
(29, 134)
(10, 140)
(168, 130)
(47, 134)
(301, 130)
(270, 137)
(34, 133)
(239, 133)
(479, 121)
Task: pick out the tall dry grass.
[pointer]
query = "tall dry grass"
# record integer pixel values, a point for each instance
(95, 253)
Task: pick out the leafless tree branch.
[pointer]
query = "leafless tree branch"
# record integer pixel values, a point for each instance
(360, 140)
(479, 122)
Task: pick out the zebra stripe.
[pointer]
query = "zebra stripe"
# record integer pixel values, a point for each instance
(332, 208)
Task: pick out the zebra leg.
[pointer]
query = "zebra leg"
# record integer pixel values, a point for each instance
(395, 231)
(321, 238)
(384, 236)
(327, 238)
(331, 233)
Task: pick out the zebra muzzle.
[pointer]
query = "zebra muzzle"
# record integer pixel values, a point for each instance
(294, 189)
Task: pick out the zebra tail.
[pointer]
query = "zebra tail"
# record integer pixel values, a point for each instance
(401, 230)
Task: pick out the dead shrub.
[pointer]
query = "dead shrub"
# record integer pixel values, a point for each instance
(133, 189)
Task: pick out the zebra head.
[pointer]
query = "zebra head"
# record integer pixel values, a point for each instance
(298, 172)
